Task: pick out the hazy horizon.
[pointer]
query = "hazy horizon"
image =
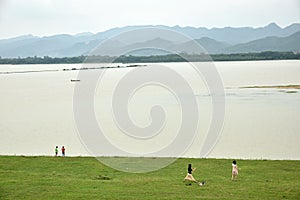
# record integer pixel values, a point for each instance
(89, 32)
(52, 17)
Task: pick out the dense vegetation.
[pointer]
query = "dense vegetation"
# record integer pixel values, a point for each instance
(269, 55)
(214, 57)
(42, 60)
(85, 178)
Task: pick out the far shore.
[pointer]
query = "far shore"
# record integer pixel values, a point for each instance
(181, 57)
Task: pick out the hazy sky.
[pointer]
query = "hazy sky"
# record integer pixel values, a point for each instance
(49, 17)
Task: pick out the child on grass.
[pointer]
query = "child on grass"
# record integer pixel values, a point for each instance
(189, 176)
(56, 150)
(63, 151)
(235, 170)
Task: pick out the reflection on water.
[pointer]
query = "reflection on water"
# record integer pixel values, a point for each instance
(261, 123)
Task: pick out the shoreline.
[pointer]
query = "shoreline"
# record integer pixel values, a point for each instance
(127, 157)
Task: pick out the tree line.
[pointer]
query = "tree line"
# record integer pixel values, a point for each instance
(183, 57)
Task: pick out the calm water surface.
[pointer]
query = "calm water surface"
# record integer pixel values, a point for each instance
(261, 123)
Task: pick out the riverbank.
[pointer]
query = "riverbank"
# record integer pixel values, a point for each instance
(86, 178)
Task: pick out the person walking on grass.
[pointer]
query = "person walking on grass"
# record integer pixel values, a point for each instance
(63, 151)
(56, 151)
(189, 177)
(235, 171)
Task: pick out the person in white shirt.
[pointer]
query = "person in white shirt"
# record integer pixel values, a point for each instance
(235, 170)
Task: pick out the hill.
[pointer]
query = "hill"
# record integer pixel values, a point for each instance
(215, 40)
(272, 43)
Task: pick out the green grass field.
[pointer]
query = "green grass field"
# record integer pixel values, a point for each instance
(86, 178)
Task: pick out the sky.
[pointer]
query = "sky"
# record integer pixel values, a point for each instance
(50, 17)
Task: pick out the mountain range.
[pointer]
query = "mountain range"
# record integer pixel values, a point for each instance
(214, 40)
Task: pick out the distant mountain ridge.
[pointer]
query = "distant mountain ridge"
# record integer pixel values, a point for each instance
(214, 40)
(271, 43)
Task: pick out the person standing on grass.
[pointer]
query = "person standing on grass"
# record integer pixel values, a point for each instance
(63, 151)
(56, 151)
(235, 170)
(189, 176)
